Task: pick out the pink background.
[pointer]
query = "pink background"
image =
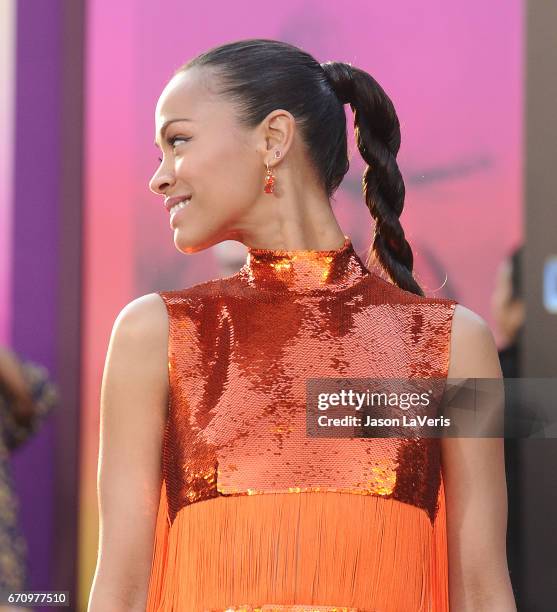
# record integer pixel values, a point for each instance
(454, 72)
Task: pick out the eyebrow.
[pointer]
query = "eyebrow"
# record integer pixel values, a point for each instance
(167, 123)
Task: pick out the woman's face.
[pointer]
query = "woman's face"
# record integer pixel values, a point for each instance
(208, 156)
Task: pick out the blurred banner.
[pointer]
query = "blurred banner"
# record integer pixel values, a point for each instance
(7, 119)
(455, 75)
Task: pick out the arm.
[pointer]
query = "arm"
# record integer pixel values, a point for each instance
(476, 491)
(134, 396)
(13, 380)
(29, 396)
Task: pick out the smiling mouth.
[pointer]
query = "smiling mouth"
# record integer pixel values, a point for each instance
(179, 206)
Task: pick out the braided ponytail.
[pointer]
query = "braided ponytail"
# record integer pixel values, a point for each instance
(377, 132)
(261, 75)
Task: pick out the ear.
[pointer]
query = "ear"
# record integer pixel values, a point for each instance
(277, 134)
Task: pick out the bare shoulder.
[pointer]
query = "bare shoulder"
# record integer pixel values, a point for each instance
(133, 412)
(145, 318)
(467, 321)
(474, 477)
(136, 361)
(473, 353)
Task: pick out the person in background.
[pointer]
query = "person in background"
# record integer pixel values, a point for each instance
(26, 396)
(508, 309)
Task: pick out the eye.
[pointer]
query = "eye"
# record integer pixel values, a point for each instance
(172, 141)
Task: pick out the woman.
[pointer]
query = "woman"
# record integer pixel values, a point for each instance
(509, 313)
(27, 395)
(246, 511)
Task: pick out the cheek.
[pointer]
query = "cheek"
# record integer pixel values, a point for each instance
(240, 178)
(237, 166)
(204, 164)
(233, 177)
(224, 189)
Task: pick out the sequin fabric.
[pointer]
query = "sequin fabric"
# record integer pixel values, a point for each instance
(296, 608)
(240, 351)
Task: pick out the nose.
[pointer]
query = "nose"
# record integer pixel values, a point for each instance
(161, 180)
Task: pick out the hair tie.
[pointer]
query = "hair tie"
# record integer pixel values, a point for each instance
(340, 77)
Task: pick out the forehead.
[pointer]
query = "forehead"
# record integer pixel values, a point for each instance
(187, 94)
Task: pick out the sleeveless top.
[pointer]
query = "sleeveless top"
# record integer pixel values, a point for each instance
(254, 514)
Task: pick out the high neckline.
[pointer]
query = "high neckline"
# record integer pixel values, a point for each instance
(303, 269)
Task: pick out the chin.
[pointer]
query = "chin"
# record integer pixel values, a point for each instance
(188, 244)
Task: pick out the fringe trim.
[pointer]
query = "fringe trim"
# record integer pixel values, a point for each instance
(364, 552)
(439, 558)
(160, 555)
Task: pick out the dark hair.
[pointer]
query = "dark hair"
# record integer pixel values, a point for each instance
(261, 75)
(515, 259)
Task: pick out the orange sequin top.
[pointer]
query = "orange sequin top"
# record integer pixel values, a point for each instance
(254, 514)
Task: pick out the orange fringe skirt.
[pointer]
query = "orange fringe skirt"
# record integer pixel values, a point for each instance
(319, 551)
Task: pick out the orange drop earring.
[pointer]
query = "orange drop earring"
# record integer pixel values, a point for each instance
(270, 177)
(269, 180)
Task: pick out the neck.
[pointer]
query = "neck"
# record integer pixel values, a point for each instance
(303, 269)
